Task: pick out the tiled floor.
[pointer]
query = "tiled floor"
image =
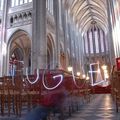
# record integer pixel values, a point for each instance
(101, 108)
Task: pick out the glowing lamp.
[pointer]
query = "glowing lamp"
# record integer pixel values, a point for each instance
(87, 78)
(104, 67)
(70, 68)
(83, 75)
(78, 73)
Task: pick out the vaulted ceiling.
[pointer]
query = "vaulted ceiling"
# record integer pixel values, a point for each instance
(87, 12)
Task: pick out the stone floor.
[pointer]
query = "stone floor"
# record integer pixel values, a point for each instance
(101, 107)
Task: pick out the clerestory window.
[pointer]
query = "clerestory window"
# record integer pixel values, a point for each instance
(49, 5)
(19, 2)
(1, 4)
(95, 41)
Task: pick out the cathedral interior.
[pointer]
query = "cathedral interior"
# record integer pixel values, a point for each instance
(51, 46)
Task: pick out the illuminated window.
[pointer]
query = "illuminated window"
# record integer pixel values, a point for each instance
(102, 41)
(60, 19)
(96, 41)
(30, 0)
(12, 3)
(91, 42)
(25, 1)
(1, 4)
(49, 5)
(19, 2)
(86, 44)
(96, 37)
(16, 2)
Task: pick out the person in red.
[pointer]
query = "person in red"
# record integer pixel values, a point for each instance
(50, 102)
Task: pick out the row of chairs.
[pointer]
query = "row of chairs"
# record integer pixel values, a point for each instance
(14, 93)
(17, 92)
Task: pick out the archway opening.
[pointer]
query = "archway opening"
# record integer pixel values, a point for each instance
(19, 53)
(50, 52)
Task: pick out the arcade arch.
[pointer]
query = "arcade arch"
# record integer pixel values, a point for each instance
(19, 53)
(50, 52)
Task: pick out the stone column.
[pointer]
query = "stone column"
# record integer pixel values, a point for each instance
(70, 44)
(75, 53)
(79, 52)
(56, 16)
(64, 26)
(39, 42)
(3, 54)
(82, 55)
(110, 41)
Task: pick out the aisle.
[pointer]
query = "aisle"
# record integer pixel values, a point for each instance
(101, 108)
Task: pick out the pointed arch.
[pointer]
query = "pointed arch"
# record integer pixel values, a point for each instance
(19, 51)
(50, 51)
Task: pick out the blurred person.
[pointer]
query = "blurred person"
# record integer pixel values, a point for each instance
(52, 102)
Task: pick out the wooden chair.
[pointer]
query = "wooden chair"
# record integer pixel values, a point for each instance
(7, 94)
(26, 93)
(2, 99)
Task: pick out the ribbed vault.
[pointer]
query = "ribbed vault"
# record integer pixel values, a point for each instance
(87, 12)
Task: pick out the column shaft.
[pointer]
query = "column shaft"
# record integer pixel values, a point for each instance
(3, 70)
(39, 43)
(56, 16)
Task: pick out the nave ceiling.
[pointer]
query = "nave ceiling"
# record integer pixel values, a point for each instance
(87, 12)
